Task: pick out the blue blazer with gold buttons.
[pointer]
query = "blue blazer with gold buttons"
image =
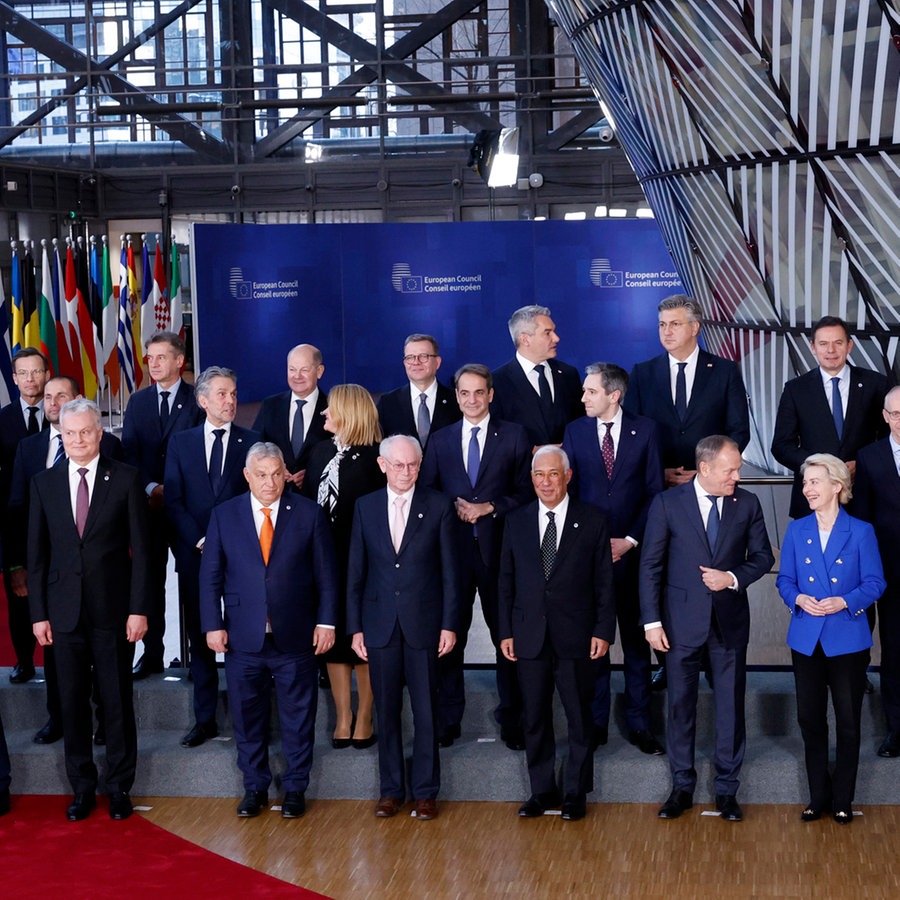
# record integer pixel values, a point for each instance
(850, 567)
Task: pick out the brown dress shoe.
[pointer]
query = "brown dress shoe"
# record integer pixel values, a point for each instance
(426, 809)
(387, 807)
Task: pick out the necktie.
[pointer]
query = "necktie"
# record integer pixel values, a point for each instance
(837, 409)
(397, 524)
(548, 545)
(297, 429)
(33, 426)
(163, 410)
(712, 523)
(473, 457)
(266, 533)
(60, 451)
(215, 461)
(82, 502)
(543, 385)
(681, 391)
(607, 449)
(423, 420)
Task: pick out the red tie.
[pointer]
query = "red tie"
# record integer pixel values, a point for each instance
(607, 449)
(82, 502)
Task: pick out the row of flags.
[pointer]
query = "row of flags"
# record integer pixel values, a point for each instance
(87, 325)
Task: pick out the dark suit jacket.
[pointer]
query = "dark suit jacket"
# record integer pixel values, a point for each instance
(515, 400)
(296, 591)
(876, 499)
(188, 495)
(804, 424)
(31, 458)
(576, 603)
(637, 475)
(102, 574)
(718, 405)
(272, 422)
(395, 412)
(503, 478)
(417, 588)
(143, 439)
(674, 548)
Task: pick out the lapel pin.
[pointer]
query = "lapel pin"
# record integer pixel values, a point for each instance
(807, 560)
(574, 524)
(809, 540)
(179, 406)
(287, 506)
(421, 516)
(840, 562)
(633, 431)
(106, 477)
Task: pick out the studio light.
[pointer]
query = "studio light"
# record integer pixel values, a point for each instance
(495, 156)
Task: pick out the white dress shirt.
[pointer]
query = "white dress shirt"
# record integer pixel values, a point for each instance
(55, 440)
(308, 409)
(430, 399)
(75, 481)
(467, 427)
(690, 372)
(843, 387)
(532, 376)
(209, 439)
(559, 517)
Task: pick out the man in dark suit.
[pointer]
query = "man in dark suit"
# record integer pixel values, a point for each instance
(617, 467)
(535, 389)
(152, 416)
(36, 453)
(87, 576)
(810, 421)
(705, 543)
(423, 406)
(23, 417)
(876, 499)
(557, 618)
(690, 393)
(293, 419)
(272, 559)
(204, 467)
(402, 610)
(482, 464)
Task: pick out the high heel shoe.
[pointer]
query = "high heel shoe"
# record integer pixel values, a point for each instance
(344, 743)
(364, 743)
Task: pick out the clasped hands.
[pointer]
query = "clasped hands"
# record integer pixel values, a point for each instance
(825, 607)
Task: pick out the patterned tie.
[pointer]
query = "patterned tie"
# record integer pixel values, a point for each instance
(423, 420)
(548, 545)
(82, 502)
(215, 461)
(543, 385)
(33, 426)
(837, 408)
(297, 429)
(712, 523)
(681, 391)
(266, 533)
(163, 410)
(60, 450)
(607, 449)
(397, 524)
(473, 458)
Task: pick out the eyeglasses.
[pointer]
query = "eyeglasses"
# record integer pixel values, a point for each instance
(893, 416)
(418, 357)
(31, 373)
(403, 467)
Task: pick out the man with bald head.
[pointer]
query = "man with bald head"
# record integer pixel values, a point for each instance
(293, 419)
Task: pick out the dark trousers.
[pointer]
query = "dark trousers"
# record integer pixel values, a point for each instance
(390, 667)
(107, 651)
(889, 631)
(574, 680)
(158, 552)
(451, 685)
(251, 677)
(729, 670)
(20, 632)
(202, 665)
(845, 675)
(4, 761)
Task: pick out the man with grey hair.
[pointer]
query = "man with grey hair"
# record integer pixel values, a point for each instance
(204, 467)
(280, 614)
(535, 389)
(87, 585)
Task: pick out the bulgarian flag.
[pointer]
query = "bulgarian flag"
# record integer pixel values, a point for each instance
(175, 304)
(47, 314)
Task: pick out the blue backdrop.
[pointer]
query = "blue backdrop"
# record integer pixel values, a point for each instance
(355, 291)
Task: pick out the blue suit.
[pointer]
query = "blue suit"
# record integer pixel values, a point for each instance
(296, 591)
(694, 618)
(624, 498)
(401, 601)
(189, 501)
(503, 480)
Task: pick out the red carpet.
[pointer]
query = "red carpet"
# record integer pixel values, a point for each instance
(45, 856)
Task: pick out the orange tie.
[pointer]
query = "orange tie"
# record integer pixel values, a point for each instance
(266, 533)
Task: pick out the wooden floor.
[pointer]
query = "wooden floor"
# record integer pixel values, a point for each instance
(483, 849)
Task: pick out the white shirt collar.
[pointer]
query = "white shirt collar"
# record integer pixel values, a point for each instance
(691, 360)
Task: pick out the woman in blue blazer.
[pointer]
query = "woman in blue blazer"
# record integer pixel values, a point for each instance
(830, 572)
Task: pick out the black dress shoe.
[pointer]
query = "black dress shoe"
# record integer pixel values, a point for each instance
(100, 736)
(49, 734)
(146, 667)
(599, 736)
(812, 813)
(646, 743)
(659, 681)
(21, 674)
(574, 807)
(4, 802)
(728, 808)
(294, 805)
(120, 805)
(252, 804)
(678, 802)
(341, 743)
(843, 816)
(200, 734)
(513, 738)
(80, 807)
(450, 734)
(537, 804)
(890, 746)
